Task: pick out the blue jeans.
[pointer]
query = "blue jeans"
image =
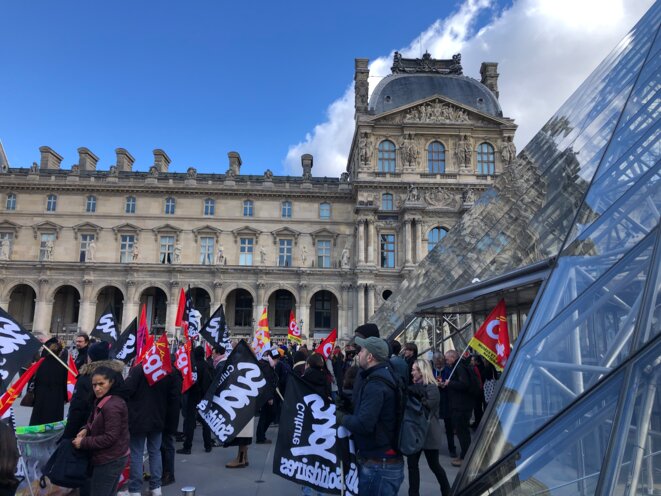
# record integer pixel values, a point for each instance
(380, 479)
(155, 463)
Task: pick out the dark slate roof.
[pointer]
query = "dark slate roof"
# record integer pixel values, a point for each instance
(397, 90)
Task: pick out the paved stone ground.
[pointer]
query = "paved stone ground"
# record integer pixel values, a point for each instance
(207, 472)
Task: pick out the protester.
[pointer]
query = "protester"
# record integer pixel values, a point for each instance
(171, 425)
(83, 397)
(424, 386)
(338, 366)
(461, 402)
(299, 363)
(105, 436)
(398, 363)
(50, 387)
(81, 342)
(8, 461)
(442, 373)
(193, 396)
(218, 357)
(374, 422)
(282, 370)
(478, 409)
(266, 415)
(147, 411)
(410, 356)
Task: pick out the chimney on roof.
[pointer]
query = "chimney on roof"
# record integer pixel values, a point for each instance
(489, 73)
(161, 160)
(86, 159)
(50, 159)
(124, 160)
(361, 86)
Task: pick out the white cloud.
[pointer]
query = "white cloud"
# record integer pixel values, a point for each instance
(545, 49)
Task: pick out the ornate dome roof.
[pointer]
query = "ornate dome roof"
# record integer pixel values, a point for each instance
(417, 79)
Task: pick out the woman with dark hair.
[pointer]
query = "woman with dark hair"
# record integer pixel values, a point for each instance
(106, 435)
(8, 461)
(50, 387)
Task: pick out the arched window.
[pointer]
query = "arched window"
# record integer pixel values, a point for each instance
(51, 203)
(285, 210)
(387, 156)
(90, 205)
(386, 201)
(247, 208)
(169, 206)
(11, 201)
(434, 236)
(324, 210)
(486, 159)
(436, 157)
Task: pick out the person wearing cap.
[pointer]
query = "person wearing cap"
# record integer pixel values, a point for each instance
(374, 421)
(266, 414)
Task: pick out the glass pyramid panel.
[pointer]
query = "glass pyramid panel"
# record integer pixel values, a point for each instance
(563, 460)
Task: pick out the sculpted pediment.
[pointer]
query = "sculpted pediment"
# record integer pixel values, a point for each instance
(47, 226)
(7, 225)
(246, 231)
(285, 232)
(86, 227)
(167, 229)
(438, 110)
(206, 229)
(324, 233)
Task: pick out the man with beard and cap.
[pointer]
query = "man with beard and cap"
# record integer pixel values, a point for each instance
(193, 396)
(373, 422)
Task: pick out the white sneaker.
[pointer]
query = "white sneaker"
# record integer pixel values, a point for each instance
(156, 492)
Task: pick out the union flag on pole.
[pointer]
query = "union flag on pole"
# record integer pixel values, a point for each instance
(157, 362)
(9, 396)
(294, 333)
(492, 339)
(325, 348)
(262, 340)
(143, 333)
(72, 376)
(183, 364)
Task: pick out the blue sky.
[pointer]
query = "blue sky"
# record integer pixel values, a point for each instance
(199, 79)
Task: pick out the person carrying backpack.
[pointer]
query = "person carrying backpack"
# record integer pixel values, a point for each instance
(374, 422)
(424, 386)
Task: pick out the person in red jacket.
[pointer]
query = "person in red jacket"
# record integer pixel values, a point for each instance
(106, 435)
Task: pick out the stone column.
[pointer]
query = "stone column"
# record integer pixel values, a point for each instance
(361, 303)
(303, 309)
(372, 243)
(217, 295)
(43, 311)
(130, 305)
(361, 241)
(259, 303)
(407, 241)
(87, 310)
(173, 305)
(370, 300)
(346, 327)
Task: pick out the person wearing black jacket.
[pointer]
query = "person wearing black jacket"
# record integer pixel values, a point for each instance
(461, 401)
(267, 413)
(171, 425)
(148, 406)
(82, 343)
(204, 373)
(50, 387)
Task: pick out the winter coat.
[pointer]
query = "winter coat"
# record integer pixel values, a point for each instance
(316, 379)
(270, 376)
(83, 398)
(50, 392)
(174, 403)
(81, 359)
(147, 404)
(458, 388)
(107, 436)
(373, 423)
(432, 397)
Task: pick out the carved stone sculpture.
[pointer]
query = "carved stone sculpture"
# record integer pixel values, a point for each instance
(220, 256)
(508, 151)
(176, 255)
(409, 151)
(48, 252)
(268, 175)
(365, 150)
(344, 261)
(344, 177)
(153, 171)
(413, 195)
(34, 168)
(191, 173)
(135, 255)
(4, 249)
(304, 255)
(113, 172)
(435, 113)
(464, 153)
(469, 195)
(91, 251)
(441, 198)
(262, 255)
(75, 170)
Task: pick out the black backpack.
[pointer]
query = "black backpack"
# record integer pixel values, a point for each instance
(413, 416)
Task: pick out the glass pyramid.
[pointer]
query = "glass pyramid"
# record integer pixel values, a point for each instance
(578, 411)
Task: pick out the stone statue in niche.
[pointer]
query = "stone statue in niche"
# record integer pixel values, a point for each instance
(413, 194)
(4, 249)
(409, 151)
(48, 252)
(365, 149)
(135, 255)
(469, 195)
(304, 255)
(464, 153)
(508, 151)
(344, 260)
(91, 251)
(176, 255)
(220, 255)
(262, 255)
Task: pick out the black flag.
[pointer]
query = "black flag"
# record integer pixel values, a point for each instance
(310, 445)
(124, 348)
(235, 395)
(106, 327)
(215, 330)
(17, 347)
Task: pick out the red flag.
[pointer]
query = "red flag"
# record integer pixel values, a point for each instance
(207, 350)
(72, 377)
(181, 308)
(325, 348)
(492, 339)
(157, 363)
(183, 364)
(145, 349)
(294, 333)
(124, 476)
(143, 332)
(9, 396)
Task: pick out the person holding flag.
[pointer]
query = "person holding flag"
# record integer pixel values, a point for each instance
(461, 401)
(50, 387)
(266, 415)
(204, 376)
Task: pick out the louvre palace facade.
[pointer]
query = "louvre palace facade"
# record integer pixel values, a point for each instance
(426, 144)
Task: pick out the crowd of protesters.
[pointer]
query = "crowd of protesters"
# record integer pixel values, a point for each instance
(114, 414)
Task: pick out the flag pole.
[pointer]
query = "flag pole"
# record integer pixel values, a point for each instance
(457, 362)
(58, 359)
